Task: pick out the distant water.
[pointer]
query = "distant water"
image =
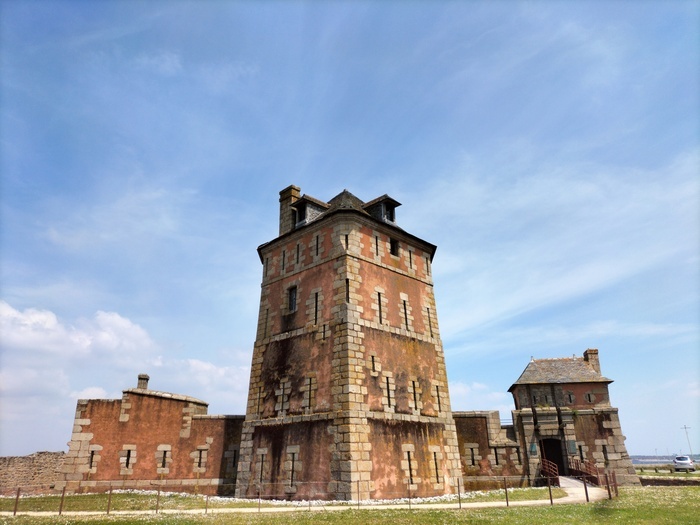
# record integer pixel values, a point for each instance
(652, 460)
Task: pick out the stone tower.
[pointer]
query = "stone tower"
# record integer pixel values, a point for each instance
(348, 393)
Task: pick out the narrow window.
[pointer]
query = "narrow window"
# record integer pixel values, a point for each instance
(388, 393)
(346, 241)
(347, 290)
(317, 245)
(262, 464)
(571, 398)
(199, 458)
(235, 462)
(580, 452)
(92, 459)
(293, 299)
(410, 262)
(284, 257)
(128, 458)
(430, 323)
(394, 247)
(495, 455)
(291, 474)
(374, 365)
(415, 395)
(298, 249)
(605, 453)
(473, 458)
(267, 319)
(405, 314)
(379, 304)
(164, 459)
(267, 264)
(437, 468)
(410, 468)
(316, 308)
(324, 332)
(376, 244)
(517, 451)
(437, 392)
(534, 400)
(427, 266)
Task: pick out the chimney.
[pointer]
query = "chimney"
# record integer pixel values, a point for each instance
(288, 196)
(143, 381)
(591, 357)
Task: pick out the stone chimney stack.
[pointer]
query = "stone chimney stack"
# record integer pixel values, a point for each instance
(143, 381)
(591, 357)
(288, 196)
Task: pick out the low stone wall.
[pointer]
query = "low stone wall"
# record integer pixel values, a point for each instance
(659, 481)
(35, 473)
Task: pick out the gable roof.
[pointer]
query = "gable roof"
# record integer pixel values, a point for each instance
(559, 370)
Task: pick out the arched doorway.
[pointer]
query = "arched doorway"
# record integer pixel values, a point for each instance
(550, 448)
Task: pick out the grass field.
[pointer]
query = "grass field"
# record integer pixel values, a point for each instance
(149, 501)
(636, 505)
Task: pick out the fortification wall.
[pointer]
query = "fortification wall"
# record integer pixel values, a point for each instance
(35, 473)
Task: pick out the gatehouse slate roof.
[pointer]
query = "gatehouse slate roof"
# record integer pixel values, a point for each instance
(559, 370)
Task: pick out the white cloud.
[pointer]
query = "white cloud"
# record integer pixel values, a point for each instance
(35, 332)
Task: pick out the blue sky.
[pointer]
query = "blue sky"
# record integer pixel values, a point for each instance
(549, 149)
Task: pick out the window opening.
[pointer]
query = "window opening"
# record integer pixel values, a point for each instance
(164, 460)
(427, 266)
(415, 395)
(517, 451)
(346, 241)
(262, 464)
(128, 458)
(405, 314)
(293, 299)
(437, 468)
(298, 249)
(376, 244)
(379, 304)
(291, 474)
(430, 323)
(394, 247)
(267, 264)
(605, 454)
(571, 397)
(92, 459)
(267, 319)
(347, 290)
(410, 259)
(316, 308)
(580, 452)
(324, 332)
(473, 458)
(495, 454)
(410, 468)
(317, 245)
(437, 391)
(374, 365)
(284, 256)
(388, 393)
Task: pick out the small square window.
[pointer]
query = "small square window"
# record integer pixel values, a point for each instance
(394, 247)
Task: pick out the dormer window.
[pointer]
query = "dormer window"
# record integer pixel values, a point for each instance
(389, 212)
(300, 214)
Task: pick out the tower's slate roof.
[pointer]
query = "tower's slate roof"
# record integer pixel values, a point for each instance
(346, 201)
(560, 370)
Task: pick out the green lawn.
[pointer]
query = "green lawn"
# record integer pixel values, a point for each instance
(636, 505)
(121, 501)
